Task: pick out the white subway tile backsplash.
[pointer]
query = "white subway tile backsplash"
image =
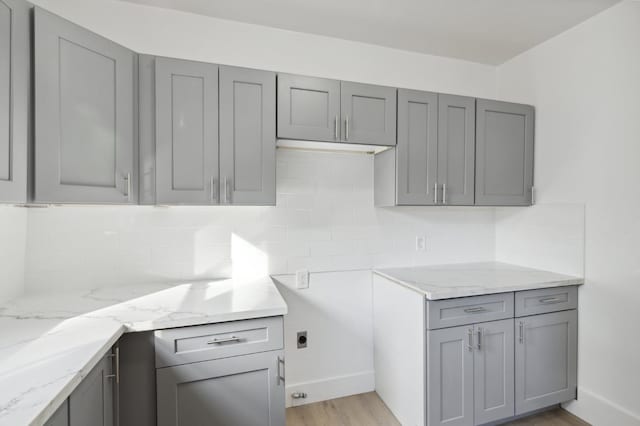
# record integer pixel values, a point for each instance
(324, 220)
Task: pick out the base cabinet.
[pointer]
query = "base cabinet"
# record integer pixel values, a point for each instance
(238, 391)
(546, 360)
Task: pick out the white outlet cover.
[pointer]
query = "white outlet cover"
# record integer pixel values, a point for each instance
(302, 279)
(421, 243)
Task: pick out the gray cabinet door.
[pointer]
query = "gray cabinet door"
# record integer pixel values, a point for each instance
(417, 150)
(92, 402)
(60, 417)
(368, 114)
(308, 108)
(85, 143)
(450, 376)
(14, 99)
(237, 391)
(493, 370)
(456, 149)
(504, 153)
(247, 136)
(186, 132)
(546, 360)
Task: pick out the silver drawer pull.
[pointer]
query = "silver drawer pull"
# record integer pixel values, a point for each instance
(476, 310)
(217, 341)
(549, 300)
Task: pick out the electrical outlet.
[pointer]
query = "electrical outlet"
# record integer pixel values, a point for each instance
(421, 243)
(302, 279)
(302, 339)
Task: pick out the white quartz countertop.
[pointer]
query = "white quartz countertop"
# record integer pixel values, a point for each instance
(471, 279)
(48, 343)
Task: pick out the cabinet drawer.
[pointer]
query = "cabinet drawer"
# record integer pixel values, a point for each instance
(213, 341)
(545, 300)
(468, 310)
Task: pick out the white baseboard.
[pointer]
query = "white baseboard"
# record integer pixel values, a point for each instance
(332, 387)
(598, 411)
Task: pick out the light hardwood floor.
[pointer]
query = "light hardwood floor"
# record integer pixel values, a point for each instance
(367, 409)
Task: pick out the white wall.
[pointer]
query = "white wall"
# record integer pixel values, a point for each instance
(585, 84)
(189, 36)
(13, 229)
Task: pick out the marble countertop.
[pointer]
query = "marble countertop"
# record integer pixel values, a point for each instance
(471, 279)
(48, 343)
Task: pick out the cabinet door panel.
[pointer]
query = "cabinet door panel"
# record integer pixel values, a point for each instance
(546, 360)
(368, 114)
(92, 402)
(236, 391)
(308, 108)
(85, 130)
(186, 132)
(450, 376)
(60, 417)
(456, 149)
(14, 95)
(493, 367)
(504, 153)
(417, 150)
(247, 136)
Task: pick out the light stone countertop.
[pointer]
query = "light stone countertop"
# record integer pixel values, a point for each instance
(472, 279)
(48, 343)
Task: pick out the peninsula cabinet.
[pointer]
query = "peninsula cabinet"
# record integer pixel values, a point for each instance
(14, 99)
(333, 111)
(85, 127)
(207, 133)
(504, 153)
(434, 161)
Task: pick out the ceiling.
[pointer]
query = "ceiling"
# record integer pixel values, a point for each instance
(485, 31)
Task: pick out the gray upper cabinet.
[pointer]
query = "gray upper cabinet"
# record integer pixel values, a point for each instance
(308, 108)
(247, 136)
(546, 360)
(493, 370)
(450, 376)
(14, 100)
(93, 401)
(368, 113)
(238, 391)
(456, 149)
(186, 132)
(85, 128)
(504, 153)
(417, 149)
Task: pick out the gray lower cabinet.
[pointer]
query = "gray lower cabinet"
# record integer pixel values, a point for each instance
(85, 127)
(14, 99)
(247, 136)
(368, 113)
(504, 153)
(60, 417)
(546, 360)
(450, 376)
(186, 114)
(238, 391)
(308, 108)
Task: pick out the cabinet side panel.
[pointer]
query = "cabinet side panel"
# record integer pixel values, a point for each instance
(137, 380)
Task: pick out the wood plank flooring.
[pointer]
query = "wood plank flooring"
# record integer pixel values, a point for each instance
(367, 409)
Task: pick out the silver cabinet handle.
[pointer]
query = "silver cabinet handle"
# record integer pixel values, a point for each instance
(127, 177)
(335, 129)
(116, 357)
(470, 342)
(281, 372)
(548, 300)
(217, 340)
(346, 128)
(444, 193)
(475, 310)
(226, 192)
(521, 332)
(213, 189)
(479, 338)
(435, 193)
